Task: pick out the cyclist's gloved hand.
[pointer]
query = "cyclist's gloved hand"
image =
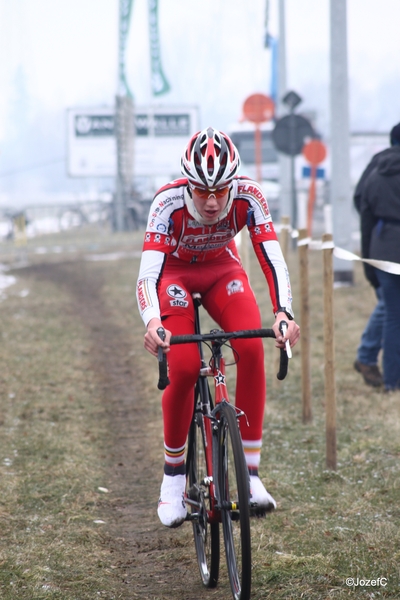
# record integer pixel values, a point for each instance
(152, 340)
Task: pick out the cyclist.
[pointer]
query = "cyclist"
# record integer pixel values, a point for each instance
(189, 247)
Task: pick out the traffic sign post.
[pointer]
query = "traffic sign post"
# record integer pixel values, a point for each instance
(315, 153)
(258, 109)
(289, 136)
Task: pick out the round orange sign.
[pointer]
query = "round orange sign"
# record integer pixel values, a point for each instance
(314, 152)
(258, 108)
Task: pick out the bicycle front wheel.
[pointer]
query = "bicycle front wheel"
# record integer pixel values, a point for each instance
(206, 534)
(235, 505)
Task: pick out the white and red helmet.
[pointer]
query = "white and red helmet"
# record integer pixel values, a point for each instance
(210, 159)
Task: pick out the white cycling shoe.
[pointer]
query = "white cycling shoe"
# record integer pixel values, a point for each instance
(171, 505)
(260, 496)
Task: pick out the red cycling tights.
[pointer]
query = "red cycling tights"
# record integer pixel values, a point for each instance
(231, 312)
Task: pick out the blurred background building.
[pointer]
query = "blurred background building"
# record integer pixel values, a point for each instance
(184, 66)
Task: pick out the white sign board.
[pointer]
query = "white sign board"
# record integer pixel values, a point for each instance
(161, 134)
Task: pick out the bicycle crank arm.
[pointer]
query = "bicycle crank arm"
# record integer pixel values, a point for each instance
(192, 502)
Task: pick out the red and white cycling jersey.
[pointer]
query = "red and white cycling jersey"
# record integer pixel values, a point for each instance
(173, 231)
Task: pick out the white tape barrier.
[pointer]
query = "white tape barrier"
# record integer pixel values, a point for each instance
(383, 265)
(283, 226)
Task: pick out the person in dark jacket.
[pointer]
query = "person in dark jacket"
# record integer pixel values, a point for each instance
(370, 345)
(379, 206)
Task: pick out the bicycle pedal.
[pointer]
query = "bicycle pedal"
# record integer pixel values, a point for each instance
(192, 516)
(260, 511)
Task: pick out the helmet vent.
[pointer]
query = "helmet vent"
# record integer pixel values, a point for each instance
(210, 159)
(222, 167)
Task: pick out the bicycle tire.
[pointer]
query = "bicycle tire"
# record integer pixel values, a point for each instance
(206, 534)
(234, 490)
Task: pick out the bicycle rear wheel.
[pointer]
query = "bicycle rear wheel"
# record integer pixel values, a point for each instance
(206, 534)
(235, 507)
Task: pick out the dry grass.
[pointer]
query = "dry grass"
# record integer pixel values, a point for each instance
(330, 525)
(55, 447)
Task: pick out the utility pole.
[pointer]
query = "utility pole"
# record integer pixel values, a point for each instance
(124, 128)
(284, 160)
(340, 186)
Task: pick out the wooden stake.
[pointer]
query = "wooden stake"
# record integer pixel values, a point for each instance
(284, 236)
(329, 349)
(305, 325)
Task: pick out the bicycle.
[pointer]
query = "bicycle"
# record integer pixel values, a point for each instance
(218, 489)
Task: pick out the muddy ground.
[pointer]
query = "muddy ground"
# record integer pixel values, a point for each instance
(152, 562)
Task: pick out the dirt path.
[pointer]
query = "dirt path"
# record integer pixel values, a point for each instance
(154, 562)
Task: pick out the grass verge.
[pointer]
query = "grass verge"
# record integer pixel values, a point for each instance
(56, 444)
(55, 439)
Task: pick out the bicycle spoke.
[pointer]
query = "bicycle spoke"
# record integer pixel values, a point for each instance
(206, 535)
(234, 490)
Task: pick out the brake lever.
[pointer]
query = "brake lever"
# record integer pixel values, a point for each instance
(163, 379)
(283, 326)
(161, 335)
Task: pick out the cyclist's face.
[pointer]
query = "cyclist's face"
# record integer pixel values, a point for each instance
(210, 204)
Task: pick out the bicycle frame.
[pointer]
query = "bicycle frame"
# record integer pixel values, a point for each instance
(210, 415)
(218, 479)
